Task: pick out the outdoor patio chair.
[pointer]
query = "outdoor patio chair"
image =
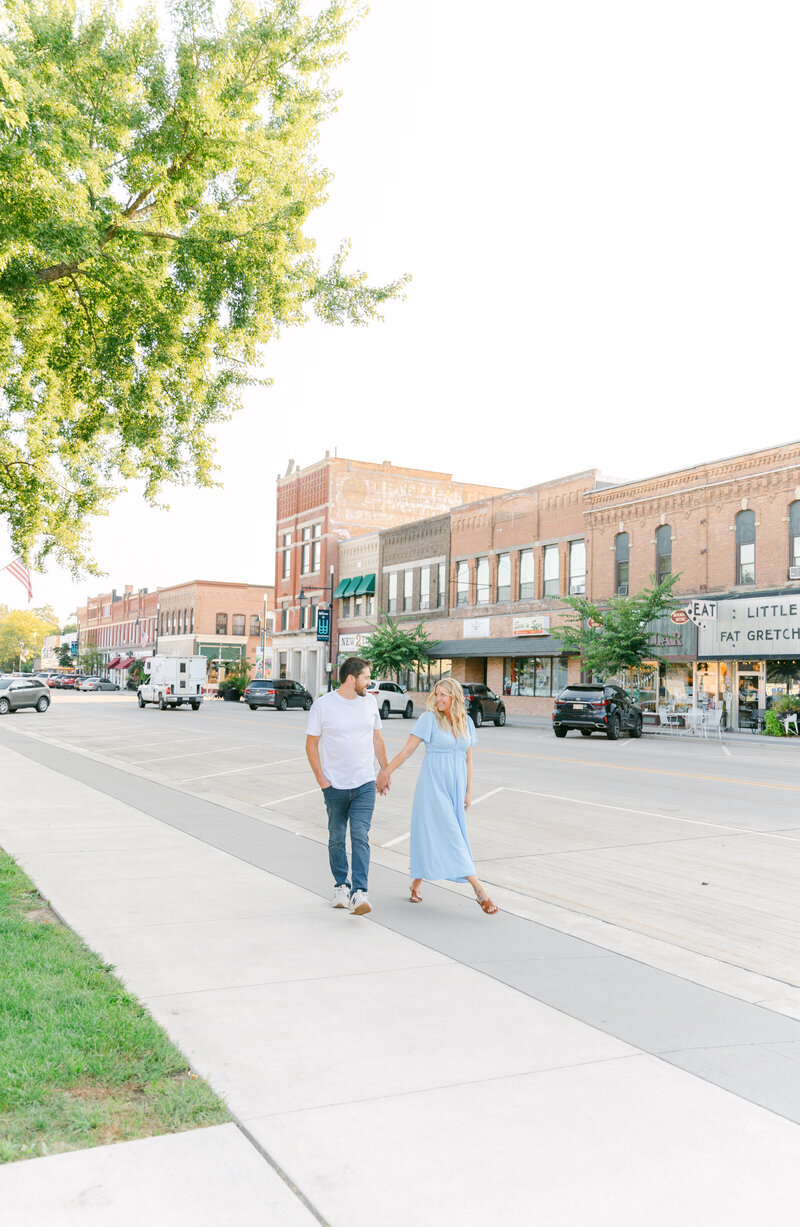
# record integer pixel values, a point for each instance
(789, 720)
(667, 719)
(712, 723)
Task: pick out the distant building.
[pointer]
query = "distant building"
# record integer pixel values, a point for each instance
(318, 508)
(120, 627)
(225, 622)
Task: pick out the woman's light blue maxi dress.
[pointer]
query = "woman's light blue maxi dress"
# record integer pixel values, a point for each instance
(439, 842)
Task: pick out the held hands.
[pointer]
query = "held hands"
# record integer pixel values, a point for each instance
(383, 781)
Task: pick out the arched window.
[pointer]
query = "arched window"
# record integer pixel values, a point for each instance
(746, 547)
(663, 552)
(621, 556)
(794, 536)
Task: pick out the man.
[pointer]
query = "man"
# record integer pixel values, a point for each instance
(343, 740)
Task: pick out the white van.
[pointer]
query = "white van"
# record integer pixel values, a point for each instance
(173, 680)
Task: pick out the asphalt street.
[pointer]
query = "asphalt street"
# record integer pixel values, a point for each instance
(653, 846)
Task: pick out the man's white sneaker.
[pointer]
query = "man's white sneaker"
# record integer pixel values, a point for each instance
(359, 903)
(341, 896)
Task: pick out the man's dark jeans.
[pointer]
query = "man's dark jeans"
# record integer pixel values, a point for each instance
(353, 805)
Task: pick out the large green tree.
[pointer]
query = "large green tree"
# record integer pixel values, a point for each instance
(616, 636)
(21, 637)
(153, 197)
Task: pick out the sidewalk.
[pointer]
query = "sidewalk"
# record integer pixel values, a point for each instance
(422, 1065)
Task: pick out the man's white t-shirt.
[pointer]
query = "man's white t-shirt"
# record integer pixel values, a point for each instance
(345, 728)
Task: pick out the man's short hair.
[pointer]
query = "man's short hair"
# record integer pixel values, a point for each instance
(352, 667)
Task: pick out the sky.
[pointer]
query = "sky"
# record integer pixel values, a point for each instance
(598, 206)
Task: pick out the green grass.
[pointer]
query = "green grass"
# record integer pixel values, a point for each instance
(81, 1062)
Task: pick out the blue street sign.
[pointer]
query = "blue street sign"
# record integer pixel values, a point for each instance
(323, 625)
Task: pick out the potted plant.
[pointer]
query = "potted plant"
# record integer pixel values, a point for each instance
(235, 682)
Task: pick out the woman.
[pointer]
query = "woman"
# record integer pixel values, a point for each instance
(439, 843)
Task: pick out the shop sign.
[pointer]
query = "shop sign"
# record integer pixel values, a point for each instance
(477, 628)
(668, 638)
(701, 612)
(536, 624)
(323, 625)
(749, 628)
(351, 643)
(679, 617)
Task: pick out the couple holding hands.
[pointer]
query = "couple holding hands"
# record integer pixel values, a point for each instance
(343, 740)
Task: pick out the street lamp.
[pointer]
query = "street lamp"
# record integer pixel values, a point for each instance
(329, 593)
(264, 638)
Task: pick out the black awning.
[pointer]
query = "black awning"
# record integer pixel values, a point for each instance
(517, 645)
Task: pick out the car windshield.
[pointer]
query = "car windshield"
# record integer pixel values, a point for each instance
(5, 682)
(582, 692)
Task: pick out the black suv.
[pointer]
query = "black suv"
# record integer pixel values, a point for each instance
(482, 704)
(280, 693)
(596, 708)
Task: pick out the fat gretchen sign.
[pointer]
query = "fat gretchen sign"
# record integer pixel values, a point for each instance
(749, 628)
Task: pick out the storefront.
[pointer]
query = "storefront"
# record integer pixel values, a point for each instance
(528, 670)
(748, 653)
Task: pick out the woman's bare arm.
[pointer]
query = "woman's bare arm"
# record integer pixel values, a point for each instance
(398, 760)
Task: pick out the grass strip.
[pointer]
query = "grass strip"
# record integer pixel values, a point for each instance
(82, 1063)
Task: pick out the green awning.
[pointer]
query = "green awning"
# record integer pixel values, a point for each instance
(367, 586)
(348, 586)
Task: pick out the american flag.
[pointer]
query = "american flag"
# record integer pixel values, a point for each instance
(21, 573)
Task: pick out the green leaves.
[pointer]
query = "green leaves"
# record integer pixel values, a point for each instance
(619, 638)
(392, 649)
(152, 205)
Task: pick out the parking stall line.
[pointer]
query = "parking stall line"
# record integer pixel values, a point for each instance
(235, 770)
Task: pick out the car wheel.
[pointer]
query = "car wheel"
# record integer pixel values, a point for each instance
(252, 706)
(636, 731)
(4, 707)
(408, 711)
(385, 709)
(43, 704)
(161, 704)
(560, 732)
(477, 717)
(307, 704)
(140, 700)
(586, 732)
(283, 705)
(501, 718)
(196, 707)
(612, 732)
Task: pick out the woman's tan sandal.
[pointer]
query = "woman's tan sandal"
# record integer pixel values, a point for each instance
(415, 897)
(487, 905)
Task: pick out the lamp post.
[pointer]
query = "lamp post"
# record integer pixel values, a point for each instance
(264, 638)
(329, 593)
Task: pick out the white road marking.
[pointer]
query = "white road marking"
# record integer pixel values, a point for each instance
(280, 800)
(234, 770)
(162, 758)
(727, 752)
(478, 800)
(400, 838)
(666, 817)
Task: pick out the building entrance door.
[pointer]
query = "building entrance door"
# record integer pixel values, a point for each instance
(749, 693)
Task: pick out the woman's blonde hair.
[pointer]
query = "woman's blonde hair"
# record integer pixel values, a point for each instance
(458, 709)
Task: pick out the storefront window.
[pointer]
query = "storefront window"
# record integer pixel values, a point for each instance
(678, 691)
(783, 677)
(642, 685)
(532, 676)
(709, 680)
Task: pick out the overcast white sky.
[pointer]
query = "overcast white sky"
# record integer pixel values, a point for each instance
(598, 204)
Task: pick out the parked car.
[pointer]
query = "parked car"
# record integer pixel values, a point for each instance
(280, 692)
(96, 683)
(19, 692)
(483, 704)
(391, 697)
(69, 681)
(596, 708)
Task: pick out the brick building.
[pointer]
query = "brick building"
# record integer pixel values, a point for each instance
(225, 622)
(322, 505)
(354, 596)
(732, 529)
(121, 627)
(512, 557)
